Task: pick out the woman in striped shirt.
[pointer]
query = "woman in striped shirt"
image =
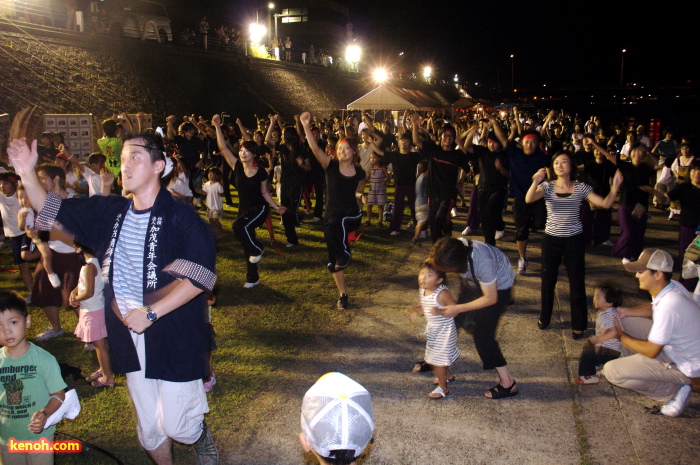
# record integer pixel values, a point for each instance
(563, 236)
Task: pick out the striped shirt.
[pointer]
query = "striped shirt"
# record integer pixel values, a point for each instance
(563, 210)
(603, 320)
(490, 265)
(128, 260)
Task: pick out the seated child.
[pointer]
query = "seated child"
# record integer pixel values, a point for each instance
(441, 333)
(32, 386)
(604, 346)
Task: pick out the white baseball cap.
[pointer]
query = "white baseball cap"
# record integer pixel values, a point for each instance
(336, 414)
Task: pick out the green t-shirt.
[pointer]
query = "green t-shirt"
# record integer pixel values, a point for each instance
(112, 149)
(26, 385)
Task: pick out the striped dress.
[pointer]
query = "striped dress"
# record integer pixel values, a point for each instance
(441, 333)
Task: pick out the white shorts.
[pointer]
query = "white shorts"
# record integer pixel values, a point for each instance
(165, 409)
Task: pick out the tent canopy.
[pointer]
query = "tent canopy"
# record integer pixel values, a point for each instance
(394, 98)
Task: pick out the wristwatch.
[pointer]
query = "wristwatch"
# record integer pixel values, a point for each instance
(150, 314)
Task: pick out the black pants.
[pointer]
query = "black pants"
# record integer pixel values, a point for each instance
(335, 231)
(482, 324)
(244, 228)
(291, 197)
(528, 216)
(439, 217)
(226, 182)
(592, 356)
(572, 250)
(491, 210)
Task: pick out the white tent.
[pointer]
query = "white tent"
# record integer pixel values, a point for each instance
(394, 98)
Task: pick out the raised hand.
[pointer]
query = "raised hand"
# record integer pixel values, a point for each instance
(21, 156)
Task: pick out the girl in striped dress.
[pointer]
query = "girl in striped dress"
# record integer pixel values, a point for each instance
(441, 333)
(378, 177)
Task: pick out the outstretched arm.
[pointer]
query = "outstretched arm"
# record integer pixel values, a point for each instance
(607, 202)
(270, 128)
(606, 154)
(498, 130)
(323, 159)
(24, 159)
(221, 142)
(535, 193)
(245, 132)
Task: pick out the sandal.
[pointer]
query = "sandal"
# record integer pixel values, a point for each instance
(438, 393)
(448, 380)
(94, 376)
(420, 366)
(98, 383)
(500, 392)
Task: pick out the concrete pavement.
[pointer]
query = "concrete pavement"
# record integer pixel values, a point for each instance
(551, 421)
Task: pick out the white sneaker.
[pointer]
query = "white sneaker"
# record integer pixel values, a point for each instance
(49, 333)
(423, 235)
(670, 215)
(675, 407)
(88, 347)
(453, 212)
(54, 280)
(609, 243)
(29, 298)
(255, 258)
(289, 245)
(522, 265)
(499, 235)
(251, 285)
(315, 219)
(394, 233)
(3, 244)
(467, 231)
(625, 261)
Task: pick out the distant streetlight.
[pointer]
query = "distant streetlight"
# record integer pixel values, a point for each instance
(352, 55)
(257, 32)
(270, 8)
(512, 72)
(622, 65)
(426, 72)
(380, 75)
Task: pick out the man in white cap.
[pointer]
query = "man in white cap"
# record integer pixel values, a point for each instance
(337, 421)
(661, 347)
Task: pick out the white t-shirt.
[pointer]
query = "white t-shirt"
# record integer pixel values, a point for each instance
(179, 185)
(214, 191)
(676, 326)
(9, 207)
(365, 152)
(97, 301)
(72, 180)
(94, 181)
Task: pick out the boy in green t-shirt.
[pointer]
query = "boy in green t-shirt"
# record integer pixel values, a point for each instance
(31, 386)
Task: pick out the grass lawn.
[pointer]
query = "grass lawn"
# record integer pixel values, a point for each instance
(257, 330)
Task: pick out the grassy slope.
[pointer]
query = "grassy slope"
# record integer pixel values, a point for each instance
(257, 331)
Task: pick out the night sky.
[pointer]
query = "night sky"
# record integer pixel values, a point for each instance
(562, 44)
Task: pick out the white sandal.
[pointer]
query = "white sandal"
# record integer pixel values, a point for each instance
(437, 394)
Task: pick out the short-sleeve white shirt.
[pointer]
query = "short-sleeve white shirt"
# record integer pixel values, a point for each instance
(676, 326)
